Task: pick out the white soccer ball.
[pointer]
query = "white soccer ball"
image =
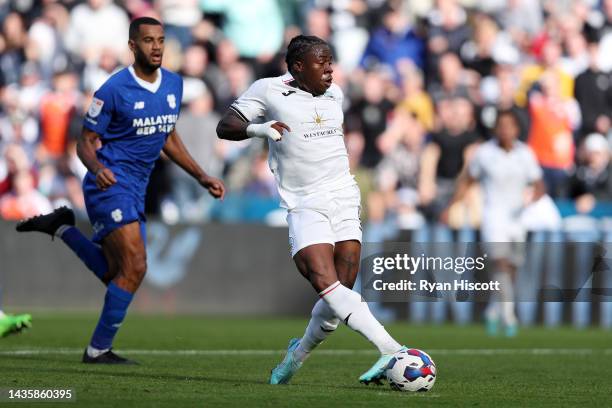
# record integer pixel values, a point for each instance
(411, 370)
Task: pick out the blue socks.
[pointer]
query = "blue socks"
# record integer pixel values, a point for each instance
(116, 303)
(90, 253)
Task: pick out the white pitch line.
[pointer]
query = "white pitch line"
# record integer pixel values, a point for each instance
(336, 352)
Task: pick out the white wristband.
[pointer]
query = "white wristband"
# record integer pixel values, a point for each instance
(263, 130)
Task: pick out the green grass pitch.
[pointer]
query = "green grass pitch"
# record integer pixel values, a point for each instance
(212, 362)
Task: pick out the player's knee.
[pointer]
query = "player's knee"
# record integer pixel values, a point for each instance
(139, 266)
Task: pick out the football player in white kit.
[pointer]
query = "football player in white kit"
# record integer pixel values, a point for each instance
(505, 168)
(300, 114)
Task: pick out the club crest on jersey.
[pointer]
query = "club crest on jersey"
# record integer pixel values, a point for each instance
(95, 108)
(117, 215)
(171, 101)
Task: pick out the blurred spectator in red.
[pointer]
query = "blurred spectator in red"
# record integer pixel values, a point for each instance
(592, 181)
(553, 119)
(56, 110)
(23, 200)
(12, 161)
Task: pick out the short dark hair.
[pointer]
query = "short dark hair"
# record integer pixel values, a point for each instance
(137, 22)
(299, 46)
(508, 112)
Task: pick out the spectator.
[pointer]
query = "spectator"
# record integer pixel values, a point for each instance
(97, 25)
(394, 41)
(453, 81)
(552, 121)
(396, 176)
(446, 154)
(415, 100)
(255, 27)
(498, 95)
(56, 111)
(23, 200)
(370, 114)
(550, 61)
(593, 91)
(179, 17)
(447, 31)
(487, 47)
(197, 129)
(591, 183)
(12, 49)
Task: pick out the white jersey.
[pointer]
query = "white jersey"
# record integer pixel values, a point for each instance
(504, 176)
(312, 157)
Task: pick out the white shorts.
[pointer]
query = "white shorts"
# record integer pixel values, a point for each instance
(325, 218)
(504, 238)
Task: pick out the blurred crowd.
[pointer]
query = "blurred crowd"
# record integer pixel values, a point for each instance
(423, 82)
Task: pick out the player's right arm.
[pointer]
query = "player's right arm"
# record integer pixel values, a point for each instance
(97, 119)
(87, 145)
(236, 123)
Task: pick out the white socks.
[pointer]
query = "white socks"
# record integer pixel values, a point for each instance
(347, 305)
(322, 323)
(503, 302)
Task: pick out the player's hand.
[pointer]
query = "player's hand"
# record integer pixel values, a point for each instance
(215, 187)
(272, 129)
(105, 178)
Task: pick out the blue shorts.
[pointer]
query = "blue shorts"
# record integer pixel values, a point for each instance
(112, 208)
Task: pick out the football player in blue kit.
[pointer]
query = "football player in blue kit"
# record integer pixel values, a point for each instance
(132, 117)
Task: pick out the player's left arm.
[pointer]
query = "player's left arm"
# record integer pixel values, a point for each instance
(177, 152)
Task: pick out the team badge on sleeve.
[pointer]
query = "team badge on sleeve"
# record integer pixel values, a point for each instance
(95, 108)
(171, 101)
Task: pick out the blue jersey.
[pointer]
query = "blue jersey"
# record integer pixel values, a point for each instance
(133, 118)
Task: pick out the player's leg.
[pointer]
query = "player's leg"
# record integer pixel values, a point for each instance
(323, 321)
(316, 263)
(11, 324)
(125, 246)
(501, 305)
(60, 223)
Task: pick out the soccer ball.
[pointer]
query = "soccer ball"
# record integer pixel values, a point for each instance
(411, 370)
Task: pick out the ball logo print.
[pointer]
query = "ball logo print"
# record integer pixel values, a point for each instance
(171, 101)
(117, 215)
(411, 370)
(95, 108)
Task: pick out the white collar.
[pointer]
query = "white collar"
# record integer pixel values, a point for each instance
(149, 86)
